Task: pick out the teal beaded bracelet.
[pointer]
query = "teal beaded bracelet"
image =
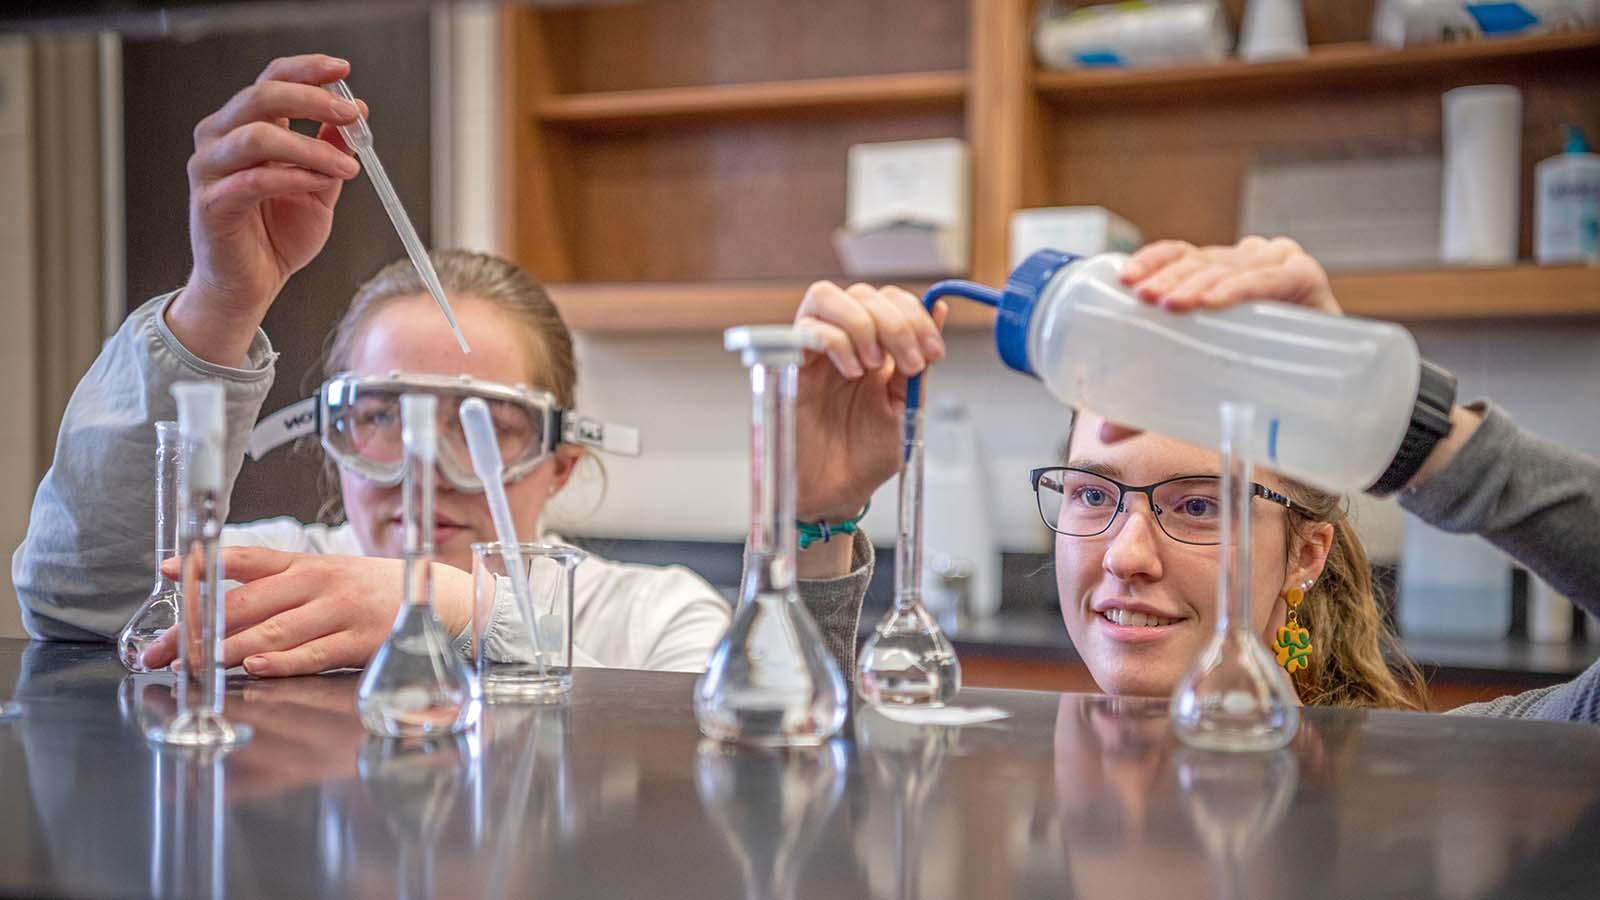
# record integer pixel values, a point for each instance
(810, 533)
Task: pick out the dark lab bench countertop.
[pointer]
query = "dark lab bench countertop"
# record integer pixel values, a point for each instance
(1039, 635)
(616, 795)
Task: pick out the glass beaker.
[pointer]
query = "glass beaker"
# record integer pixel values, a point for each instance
(201, 620)
(770, 805)
(1235, 696)
(770, 680)
(416, 686)
(159, 612)
(504, 650)
(908, 661)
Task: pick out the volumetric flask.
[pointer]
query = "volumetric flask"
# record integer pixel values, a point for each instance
(770, 680)
(1235, 696)
(159, 612)
(416, 686)
(504, 646)
(908, 661)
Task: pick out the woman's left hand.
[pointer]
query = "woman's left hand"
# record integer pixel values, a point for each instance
(302, 613)
(1179, 276)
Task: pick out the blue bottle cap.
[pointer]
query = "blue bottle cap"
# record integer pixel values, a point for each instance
(1021, 293)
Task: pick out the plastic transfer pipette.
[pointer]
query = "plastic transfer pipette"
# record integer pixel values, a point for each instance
(359, 138)
(486, 461)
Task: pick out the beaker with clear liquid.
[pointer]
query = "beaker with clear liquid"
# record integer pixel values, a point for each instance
(1235, 696)
(159, 612)
(770, 680)
(416, 686)
(201, 618)
(908, 661)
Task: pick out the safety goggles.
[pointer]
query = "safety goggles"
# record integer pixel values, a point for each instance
(357, 420)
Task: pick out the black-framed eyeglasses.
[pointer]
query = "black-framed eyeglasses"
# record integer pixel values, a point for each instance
(1080, 503)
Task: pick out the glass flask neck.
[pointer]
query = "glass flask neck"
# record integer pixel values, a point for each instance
(169, 449)
(1233, 572)
(908, 546)
(771, 551)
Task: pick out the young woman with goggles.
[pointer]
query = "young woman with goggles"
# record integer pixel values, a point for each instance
(312, 596)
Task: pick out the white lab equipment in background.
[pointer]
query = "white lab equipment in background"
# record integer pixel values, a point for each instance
(1079, 230)
(1452, 586)
(1396, 23)
(1378, 208)
(1482, 174)
(908, 209)
(1131, 34)
(960, 554)
(1549, 613)
(1272, 30)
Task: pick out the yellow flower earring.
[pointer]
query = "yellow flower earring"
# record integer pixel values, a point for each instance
(1293, 644)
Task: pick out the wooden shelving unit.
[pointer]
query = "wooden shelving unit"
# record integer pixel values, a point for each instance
(668, 171)
(617, 110)
(1525, 291)
(1331, 66)
(1460, 294)
(639, 308)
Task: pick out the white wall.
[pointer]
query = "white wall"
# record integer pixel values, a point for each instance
(17, 354)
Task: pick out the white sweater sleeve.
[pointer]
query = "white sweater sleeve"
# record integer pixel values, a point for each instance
(87, 560)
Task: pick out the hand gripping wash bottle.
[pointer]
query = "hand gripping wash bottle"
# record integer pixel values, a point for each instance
(1342, 403)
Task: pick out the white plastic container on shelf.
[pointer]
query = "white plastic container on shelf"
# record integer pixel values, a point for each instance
(1342, 402)
(1173, 32)
(958, 522)
(1397, 23)
(1452, 586)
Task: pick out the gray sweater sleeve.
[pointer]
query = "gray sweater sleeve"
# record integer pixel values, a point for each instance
(88, 558)
(1537, 501)
(835, 604)
(1541, 504)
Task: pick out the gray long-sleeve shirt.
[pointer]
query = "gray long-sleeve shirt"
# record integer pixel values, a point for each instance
(1540, 503)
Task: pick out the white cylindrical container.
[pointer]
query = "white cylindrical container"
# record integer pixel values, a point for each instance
(1549, 613)
(1482, 173)
(1343, 403)
(1272, 30)
(1131, 35)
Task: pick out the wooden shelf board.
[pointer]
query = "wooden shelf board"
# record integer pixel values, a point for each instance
(622, 308)
(1524, 291)
(1327, 65)
(1440, 295)
(615, 109)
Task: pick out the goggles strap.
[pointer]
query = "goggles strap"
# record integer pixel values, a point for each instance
(297, 420)
(591, 432)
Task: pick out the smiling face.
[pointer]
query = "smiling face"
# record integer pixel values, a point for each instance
(1139, 605)
(407, 334)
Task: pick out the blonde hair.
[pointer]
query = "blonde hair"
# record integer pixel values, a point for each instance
(463, 273)
(1356, 660)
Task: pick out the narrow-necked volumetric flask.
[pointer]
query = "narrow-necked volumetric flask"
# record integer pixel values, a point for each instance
(1235, 696)
(770, 680)
(159, 611)
(908, 661)
(416, 686)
